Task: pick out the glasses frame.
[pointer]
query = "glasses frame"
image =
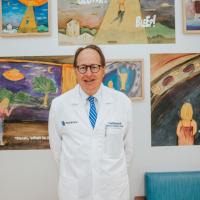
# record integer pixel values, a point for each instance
(98, 66)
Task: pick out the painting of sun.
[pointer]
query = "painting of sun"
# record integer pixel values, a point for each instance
(24, 17)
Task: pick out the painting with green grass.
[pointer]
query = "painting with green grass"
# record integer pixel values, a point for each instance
(160, 20)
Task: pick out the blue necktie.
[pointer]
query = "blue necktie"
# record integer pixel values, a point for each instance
(92, 111)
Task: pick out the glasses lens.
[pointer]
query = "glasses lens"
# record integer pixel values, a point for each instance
(94, 68)
(82, 69)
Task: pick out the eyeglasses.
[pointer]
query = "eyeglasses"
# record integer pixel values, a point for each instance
(94, 68)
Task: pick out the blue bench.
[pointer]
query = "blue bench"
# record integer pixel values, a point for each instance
(172, 185)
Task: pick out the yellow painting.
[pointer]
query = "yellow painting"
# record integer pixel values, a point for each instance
(115, 22)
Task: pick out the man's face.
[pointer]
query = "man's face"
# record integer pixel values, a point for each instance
(89, 82)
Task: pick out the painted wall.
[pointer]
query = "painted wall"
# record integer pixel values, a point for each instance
(33, 175)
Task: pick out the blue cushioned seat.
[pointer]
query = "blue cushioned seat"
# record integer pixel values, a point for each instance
(172, 185)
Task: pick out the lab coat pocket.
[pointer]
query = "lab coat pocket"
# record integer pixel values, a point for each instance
(113, 142)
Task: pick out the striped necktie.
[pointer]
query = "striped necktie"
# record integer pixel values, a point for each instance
(92, 111)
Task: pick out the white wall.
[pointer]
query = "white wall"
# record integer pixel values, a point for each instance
(32, 174)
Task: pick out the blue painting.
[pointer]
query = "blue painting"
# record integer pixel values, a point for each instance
(125, 76)
(24, 17)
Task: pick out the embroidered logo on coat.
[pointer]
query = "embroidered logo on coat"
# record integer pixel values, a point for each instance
(114, 124)
(68, 122)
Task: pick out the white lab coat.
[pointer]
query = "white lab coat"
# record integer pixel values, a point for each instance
(92, 163)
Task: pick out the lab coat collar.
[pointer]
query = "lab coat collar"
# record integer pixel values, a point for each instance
(78, 105)
(84, 96)
(106, 97)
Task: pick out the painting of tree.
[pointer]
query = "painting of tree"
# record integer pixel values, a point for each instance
(45, 86)
(28, 86)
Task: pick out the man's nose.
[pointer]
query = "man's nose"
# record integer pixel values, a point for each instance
(88, 72)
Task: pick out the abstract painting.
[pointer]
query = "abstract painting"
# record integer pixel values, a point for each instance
(116, 22)
(175, 97)
(24, 17)
(191, 16)
(125, 76)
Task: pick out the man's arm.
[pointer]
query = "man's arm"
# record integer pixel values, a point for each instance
(128, 138)
(55, 138)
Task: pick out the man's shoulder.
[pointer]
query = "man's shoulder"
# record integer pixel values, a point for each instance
(115, 94)
(65, 96)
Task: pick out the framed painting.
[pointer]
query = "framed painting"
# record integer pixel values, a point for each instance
(24, 17)
(116, 22)
(27, 87)
(191, 16)
(125, 76)
(175, 97)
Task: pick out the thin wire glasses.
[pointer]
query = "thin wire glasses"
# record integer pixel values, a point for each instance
(94, 68)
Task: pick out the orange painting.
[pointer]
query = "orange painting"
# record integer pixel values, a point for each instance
(33, 2)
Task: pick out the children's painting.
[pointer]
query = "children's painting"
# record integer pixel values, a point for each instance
(158, 18)
(27, 87)
(116, 21)
(191, 16)
(175, 97)
(24, 17)
(125, 76)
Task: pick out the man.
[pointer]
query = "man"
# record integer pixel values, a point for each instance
(90, 132)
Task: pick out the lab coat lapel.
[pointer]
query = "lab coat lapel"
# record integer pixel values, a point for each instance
(79, 107)
(105, 107)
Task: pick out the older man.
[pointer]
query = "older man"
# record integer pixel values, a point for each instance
(90, 132)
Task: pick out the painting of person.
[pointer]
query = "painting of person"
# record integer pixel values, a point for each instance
(121, 11)
(187, 126)
(4, 112)
(197, 9)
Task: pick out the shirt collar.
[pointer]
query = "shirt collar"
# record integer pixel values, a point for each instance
(97, 95)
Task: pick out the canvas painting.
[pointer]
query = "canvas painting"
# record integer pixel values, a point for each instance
(191, 16)
(24, 17)
(125, 76)
(27, 87)
(175, 97)
(116, 22)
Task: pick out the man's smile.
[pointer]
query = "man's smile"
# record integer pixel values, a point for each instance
(89, 81)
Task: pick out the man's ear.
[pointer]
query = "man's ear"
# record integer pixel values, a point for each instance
(104, 69)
